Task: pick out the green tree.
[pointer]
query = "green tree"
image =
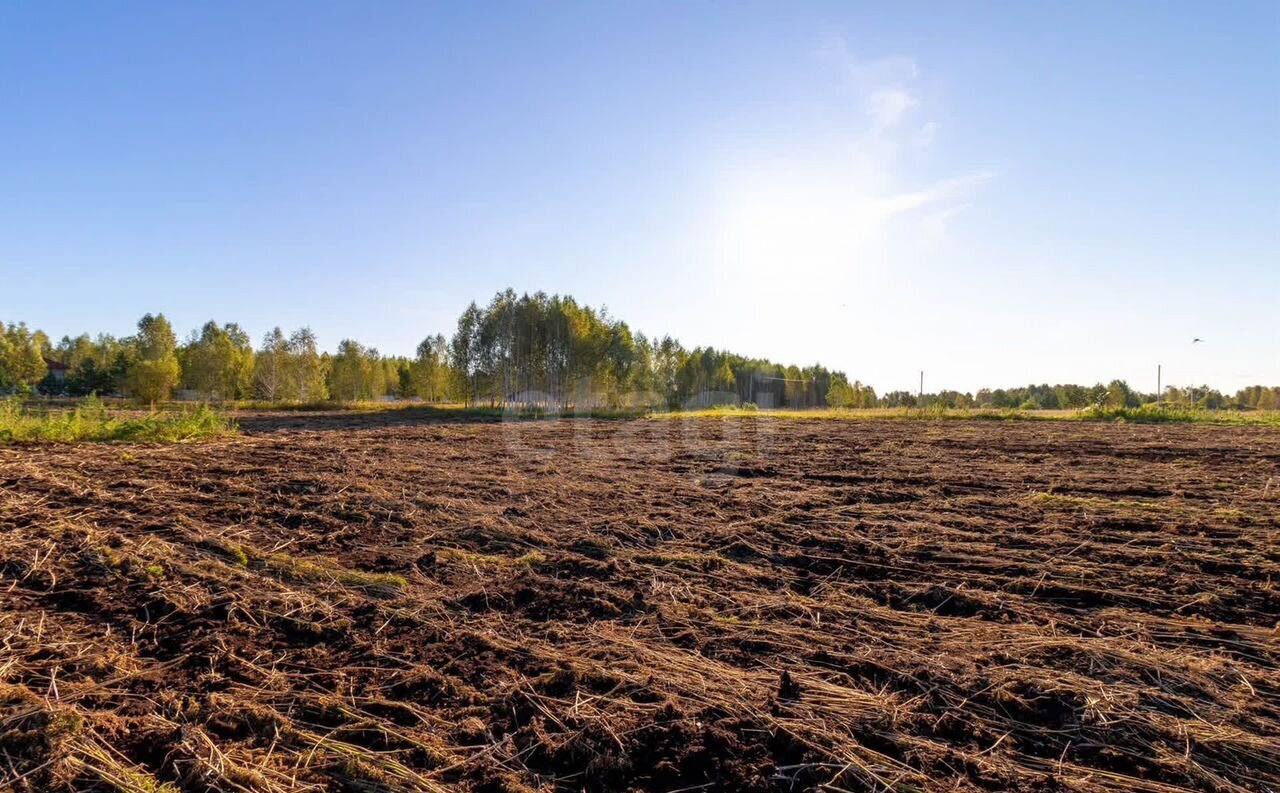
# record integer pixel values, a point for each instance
(840, 393)
(429, 372)
(306, 369)
(6, 350)
(21, 359)
(152, 376)
(1119, 395)
(271, 367)
(218, 362)
(465, 351)
(356, 372)
(96, 365)
(724, 379)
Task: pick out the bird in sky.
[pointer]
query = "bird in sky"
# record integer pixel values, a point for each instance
(1196, 340)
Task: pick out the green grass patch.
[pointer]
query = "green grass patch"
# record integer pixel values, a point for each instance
(463, 556)
(385, 582)
(1053, 499)
(532, 559)
(329, 570)
(1152, 414)
(90, 421)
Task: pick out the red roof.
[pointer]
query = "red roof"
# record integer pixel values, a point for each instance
(56, 366)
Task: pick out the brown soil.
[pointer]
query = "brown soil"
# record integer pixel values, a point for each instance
(385, 602)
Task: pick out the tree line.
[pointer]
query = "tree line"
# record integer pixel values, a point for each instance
(525, 350)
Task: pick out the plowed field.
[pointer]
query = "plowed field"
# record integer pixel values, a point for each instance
(400, 602)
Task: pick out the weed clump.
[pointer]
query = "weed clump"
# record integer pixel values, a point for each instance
(532, 559)
(90, 421)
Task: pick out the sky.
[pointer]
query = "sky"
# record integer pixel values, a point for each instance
(996, 194)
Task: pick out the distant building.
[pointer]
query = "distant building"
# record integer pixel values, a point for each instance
(57, 370)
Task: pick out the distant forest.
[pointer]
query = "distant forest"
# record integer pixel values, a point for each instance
(519, 350)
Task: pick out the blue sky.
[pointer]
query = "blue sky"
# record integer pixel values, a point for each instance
(997, 194)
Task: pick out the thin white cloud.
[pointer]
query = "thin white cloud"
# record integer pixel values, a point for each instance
(923, 138)
(886, 106)
(940, 191)
(866, 74)
(881, 84)
(885, 90)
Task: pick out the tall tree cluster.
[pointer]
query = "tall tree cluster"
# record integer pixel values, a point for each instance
(21, 356)
(538, 350)
(289, 368)
(154, 370)
(551, 351)
(430, 376)
(217, 363)
(1259, 397)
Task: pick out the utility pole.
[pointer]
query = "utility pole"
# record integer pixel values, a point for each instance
(1158, 391)
(920, 396)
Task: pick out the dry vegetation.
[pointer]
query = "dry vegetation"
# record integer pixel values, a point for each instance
(393, 602)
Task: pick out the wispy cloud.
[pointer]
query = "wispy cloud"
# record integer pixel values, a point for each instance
(885, 91)
(882, 85)
(923, 137)
(940, 191)
(841, 206)
(886, 106)
(865, 74)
